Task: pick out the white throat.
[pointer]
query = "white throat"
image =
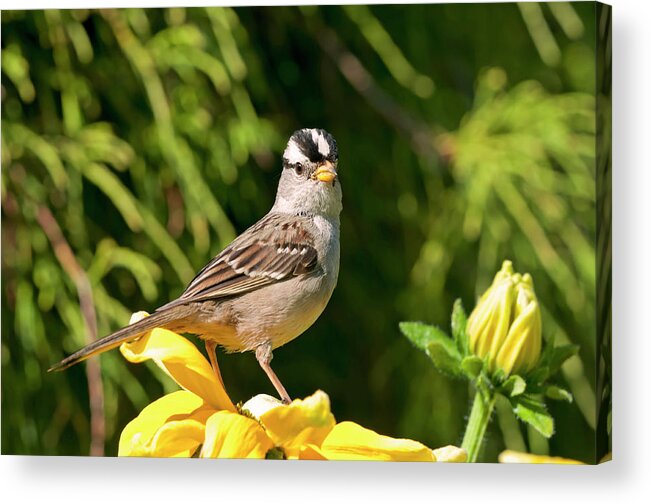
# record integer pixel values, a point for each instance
(311, 199)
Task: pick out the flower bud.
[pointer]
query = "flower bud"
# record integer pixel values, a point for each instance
(505, 328)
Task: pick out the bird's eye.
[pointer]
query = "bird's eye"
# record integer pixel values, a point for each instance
(298, 168)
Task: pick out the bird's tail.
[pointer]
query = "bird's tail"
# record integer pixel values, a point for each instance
(130, 332)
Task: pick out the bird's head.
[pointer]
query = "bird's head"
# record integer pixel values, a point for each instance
(309, 183)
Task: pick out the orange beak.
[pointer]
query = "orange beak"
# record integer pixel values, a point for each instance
(326, 172)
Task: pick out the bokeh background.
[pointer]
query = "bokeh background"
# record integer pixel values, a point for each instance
(137, 143)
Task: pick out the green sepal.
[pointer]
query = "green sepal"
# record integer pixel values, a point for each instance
(558, 393)
(513, 386)
(499, 376)
(458, 326)
(472, 366)
(533, 412)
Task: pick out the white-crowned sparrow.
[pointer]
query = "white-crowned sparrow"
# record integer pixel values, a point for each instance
(274, 280)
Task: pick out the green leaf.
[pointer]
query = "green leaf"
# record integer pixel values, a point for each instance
(559, 355)
(514, 386)
(558, 393)
(533, 412)
(472, 366)
(547, 349)
(422, 335)
(459, 321)
(551, 360)
(437, 345)
(445, 357)
(538, 375)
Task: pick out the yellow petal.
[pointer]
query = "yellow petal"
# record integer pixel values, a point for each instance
(450, 453)
(311, 452)
(349, 441)
(182, 361)
(489, 321)
(520, 351)
(152, 433)
(478, 319)
(514, 457)
(179, 438)
(230, 435)
(302, 422)
(504, 306)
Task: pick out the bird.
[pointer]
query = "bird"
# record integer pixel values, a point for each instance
(272, 282)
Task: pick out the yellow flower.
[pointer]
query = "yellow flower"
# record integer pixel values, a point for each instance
(202, 419)
(505, 328)
(514, 457)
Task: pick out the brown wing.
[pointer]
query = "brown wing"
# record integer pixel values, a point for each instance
(275, 249)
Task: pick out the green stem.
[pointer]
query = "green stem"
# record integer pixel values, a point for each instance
(480, 415)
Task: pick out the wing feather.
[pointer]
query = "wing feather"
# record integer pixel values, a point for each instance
(275, 249)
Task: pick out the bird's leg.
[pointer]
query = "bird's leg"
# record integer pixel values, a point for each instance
(210, 348)
(264, 355)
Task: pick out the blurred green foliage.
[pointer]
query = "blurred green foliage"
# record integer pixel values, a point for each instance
(466, 135)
